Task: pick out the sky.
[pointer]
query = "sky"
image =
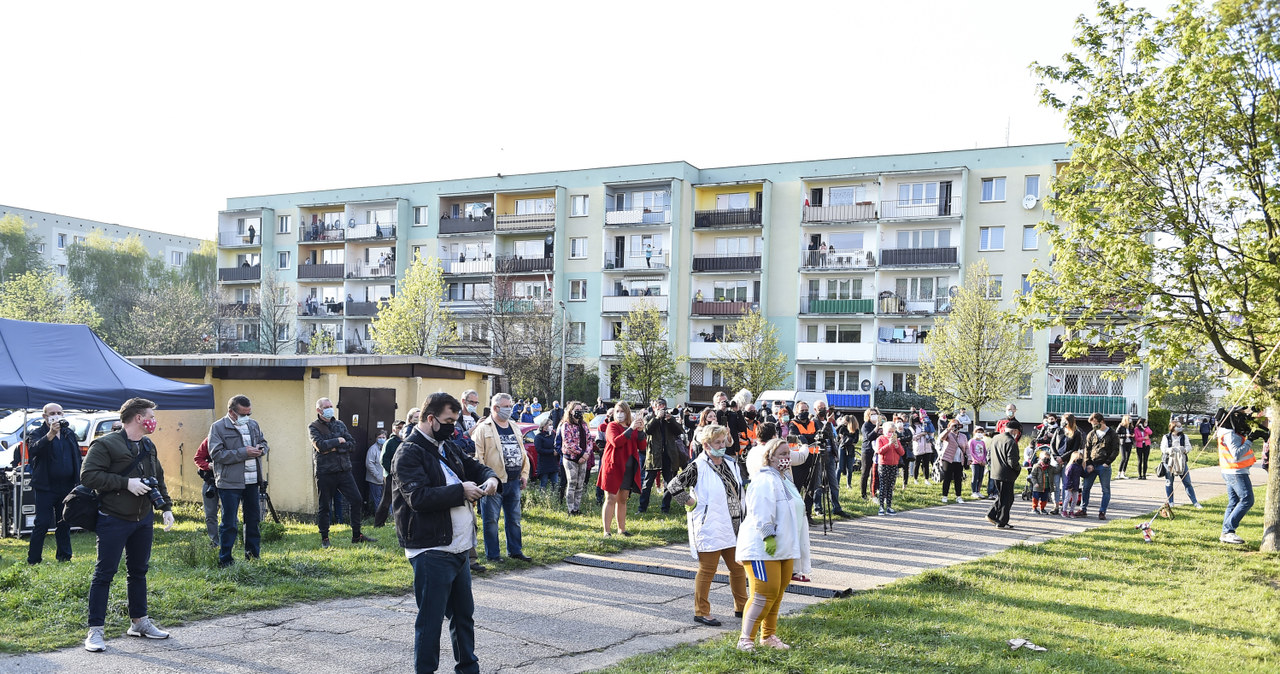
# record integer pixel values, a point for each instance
(153, 114)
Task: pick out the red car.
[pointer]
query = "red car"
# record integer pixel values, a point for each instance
(527, 431)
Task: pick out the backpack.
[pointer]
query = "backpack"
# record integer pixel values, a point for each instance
(1176, 459)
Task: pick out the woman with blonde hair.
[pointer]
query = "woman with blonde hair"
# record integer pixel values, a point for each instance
(1125, 432)
(710, 489)
(620, 465)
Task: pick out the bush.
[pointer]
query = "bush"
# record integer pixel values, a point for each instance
(271, 531)
(1158, 420)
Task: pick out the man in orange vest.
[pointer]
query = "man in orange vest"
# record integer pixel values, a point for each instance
(1235, 457)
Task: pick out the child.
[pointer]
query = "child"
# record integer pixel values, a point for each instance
(1071, 485)
(1041, 473)
(978, 459)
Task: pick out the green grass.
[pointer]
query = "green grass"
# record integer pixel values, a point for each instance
(1185, 603)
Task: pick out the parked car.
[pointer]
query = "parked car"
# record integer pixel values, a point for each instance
(90, 426)
(527, 431)
(13, 429)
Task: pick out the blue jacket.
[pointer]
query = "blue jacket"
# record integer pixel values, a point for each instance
(54, 461)
(548, 461)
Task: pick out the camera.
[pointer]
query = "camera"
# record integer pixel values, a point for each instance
(157, 499)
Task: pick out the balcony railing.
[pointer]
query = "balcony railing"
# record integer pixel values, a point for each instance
(238, 240)
(901, 400)
(904, 352)
(240, 273)
(821, 305)
(723, 308)
(919, 209)
(701, 349)
(333, 270)
(848, 400)
(858, 352)
(736, 217)
(362, 308)
(860, 212)
(469, 267)
(917, 257)
(304, 346)
(527, 222)
(321, 234)
(716, 262)
(466, 225)
(372, 230)
(638, 216)
(1082, 406)
(892, 304)
(308, 309)
(856, 259)
(371, 270)
(239, 309)
(1097, 355)
(703, 394)
(622, 304)
(656, 261)
(510, 264)
(362, 346)
(239, 346)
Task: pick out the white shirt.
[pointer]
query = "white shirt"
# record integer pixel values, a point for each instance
(250, 465)
(461, 518)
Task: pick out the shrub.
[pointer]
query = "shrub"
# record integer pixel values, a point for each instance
(271, 531)
(1158, 420)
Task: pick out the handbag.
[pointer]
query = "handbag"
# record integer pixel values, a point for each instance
(1161, 470)
(80, 507)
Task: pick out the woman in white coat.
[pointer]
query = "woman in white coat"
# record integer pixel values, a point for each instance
(710, 489)
(774, 538)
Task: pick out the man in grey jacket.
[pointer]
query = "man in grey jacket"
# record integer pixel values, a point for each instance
(235, 446)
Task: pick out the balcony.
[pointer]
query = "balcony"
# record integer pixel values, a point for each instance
(818, 305)
(848, 400)
(1097, 355)
(917, 257)
(321, 234)
(860, 212)
(241, 273)
(736, 217)
(321, 271)
(609, 347)
(637, 216)
(360, 346)
(854, 352)
(469, 267)
(510, 264)
(238, 240)
(372, 230)
(892, 305)
(361, 270)
(900, 352)
(531, 222)
(717, 262)
(467, 225)
(723, 308)
(630, 262)
(623, 304)
(704, 350)
(239, 309)
(318, 309)
(923, 209)
(339, 346)
(362, 308)
(901, 400)
(838, 260)
(1082, 406)
(703, 394)
(239, 346)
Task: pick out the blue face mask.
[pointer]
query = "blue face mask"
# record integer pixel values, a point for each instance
(327, 413)
(718, 453)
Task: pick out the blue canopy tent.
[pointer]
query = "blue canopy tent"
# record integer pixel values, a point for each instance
(69, 365)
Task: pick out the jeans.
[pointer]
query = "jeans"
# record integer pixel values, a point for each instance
(211, 505)
(1239, 499)
(442, 586)
(1186, 484)
(1004, 502)
(546, 478)
(375, 494)
(847, 459)
(48, 507)
(133, 539)
(1102, 472)
(231, 500)
(338, 483)
(506, 502)
(650, 477)
(978, 471)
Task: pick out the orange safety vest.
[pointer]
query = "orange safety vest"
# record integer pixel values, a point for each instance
(749, 435)
(1225, 455)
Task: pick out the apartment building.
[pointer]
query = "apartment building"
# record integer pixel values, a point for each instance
(56, 232)
(852, 260)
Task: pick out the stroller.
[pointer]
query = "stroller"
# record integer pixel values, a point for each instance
(1032, 452)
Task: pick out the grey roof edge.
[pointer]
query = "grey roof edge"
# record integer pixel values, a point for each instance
(302, 360)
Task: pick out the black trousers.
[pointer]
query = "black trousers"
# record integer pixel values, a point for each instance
(1004, 502)
(48, 507)
(868, 468)
(1144, 455)
(344, 483)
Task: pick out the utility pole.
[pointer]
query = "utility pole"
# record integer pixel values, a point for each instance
(564, 323)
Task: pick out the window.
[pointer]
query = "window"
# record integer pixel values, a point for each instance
(1032, 186)
(737, 245)
(811, 380)
(1026, 285)
(991, 238)
(730, 202)
(917, 194)
(578, 205)
(284, 260)
(994, 289)
(419, 216)
(530, 249)
(903, 381)
(993, 189)
(545, 205)
(62, 241)
(578, 289)
(40, 248)
(846, 333)
(844, 289)
(730, 291)
(924, 238)
(919, 289)
(840, 380)
(282, 332)
(642, 242)
(815, 196)
(284, 222)
(78, 239)
(1030, 237)
(175, 257)
(847, 196)
(1028, 336)
(1024, 386)
(577, 333)
(578, 248)
(62, 270)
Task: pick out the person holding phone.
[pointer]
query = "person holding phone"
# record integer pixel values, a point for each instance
(235, 446)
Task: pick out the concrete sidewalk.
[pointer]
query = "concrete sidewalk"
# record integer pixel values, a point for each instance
(567, 618)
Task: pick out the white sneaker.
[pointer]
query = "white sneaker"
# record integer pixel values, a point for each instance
(959, 500)
(1122, 476)
(975, 496)
(891, 511)
(944, 500)
(881, 511)
(145, 628)
(1231, 537)
(94, 643)
(1198, 506)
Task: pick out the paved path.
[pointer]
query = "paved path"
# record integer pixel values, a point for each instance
(566, 618)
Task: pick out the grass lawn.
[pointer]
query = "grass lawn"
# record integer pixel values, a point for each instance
(1099, 601)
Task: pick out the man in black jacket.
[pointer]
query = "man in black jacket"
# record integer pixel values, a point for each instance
(432, 482)
(664, 454)
(55, 471)
(333, 445)
(1006, 465)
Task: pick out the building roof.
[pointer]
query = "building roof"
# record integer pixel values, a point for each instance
(303, 360)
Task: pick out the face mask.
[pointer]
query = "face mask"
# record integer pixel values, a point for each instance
(242, 420)
(620, 418)
(327, 413)
(803, 416)
(1008, 413)
(381, 441)
(149, 425)
(1177, 430)
(716, 452)
(784, 418)
(662, 412)
(504, 413)
(898, 425)
(444, 432)
(750, 415)
(471, 409)
(875, 418)
(782, 463)
(977, 436)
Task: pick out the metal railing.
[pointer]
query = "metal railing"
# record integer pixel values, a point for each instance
(362, 308)
(1084, 405)
(526, 222)
(469, 267)
(320, 309)
(466, 225)
(722, 308)
(917, 257)
(239, 309)
(241, 273)
(919, 209)
(904, 352)
(238, 240)
(701, 394)
(817, 304)
(855, 258)
(657, 261)
(638, 216)
(1097, 355)
(332, 270)
(735, 217)
(627, 303)
(901, 400)
(717, 262)
(371, 230)
(892, 304)
(511, 264)
(859, 212)
(321, 234)
(371, 270)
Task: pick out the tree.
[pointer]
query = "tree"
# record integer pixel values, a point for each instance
(19, 248)
(974, 355)
(173, 318)
(277, 314)
(749, 358)
(1186, 387)
(115, 274)
(415, 321)
(1166, 219)
(582, 385)
(649, 366)
(43, 297)
(525, 340)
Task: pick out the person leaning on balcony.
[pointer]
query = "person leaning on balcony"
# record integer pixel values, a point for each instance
(1101, 447)
(697, 297)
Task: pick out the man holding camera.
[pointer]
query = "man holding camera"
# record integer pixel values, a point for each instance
(333, 445)
(125, 471)
(665, 453)
(55, 471)
(235, 445)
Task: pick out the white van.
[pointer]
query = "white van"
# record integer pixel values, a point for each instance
(789, 398)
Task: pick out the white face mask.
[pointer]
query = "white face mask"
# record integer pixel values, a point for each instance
(875, 418)
(897, 425)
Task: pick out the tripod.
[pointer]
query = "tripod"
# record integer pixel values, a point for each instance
(819, 484)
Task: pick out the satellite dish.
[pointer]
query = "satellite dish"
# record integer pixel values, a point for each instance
(953, 291)
(1029, 201)
(866, 384)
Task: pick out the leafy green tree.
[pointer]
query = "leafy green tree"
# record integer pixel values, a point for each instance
(749, 357)
(115, 274)
(43, 297)
(170, 319)
(649, 366)
(415, 321)
(1186, 387)
(974, 355)
(1166, 229)
(583, 386)
(19, 248)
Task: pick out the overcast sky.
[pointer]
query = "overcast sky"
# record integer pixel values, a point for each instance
(153, 114)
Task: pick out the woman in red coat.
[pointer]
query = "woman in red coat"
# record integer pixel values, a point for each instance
(620, 465)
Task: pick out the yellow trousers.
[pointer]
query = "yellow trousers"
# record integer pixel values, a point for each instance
(707, 564)
(769, 580)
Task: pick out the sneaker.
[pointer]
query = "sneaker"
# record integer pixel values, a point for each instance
(1102, 516)
(522, 557)
(881, 511)
(324, 542)
(94, 643)
(477, 567)
(1198, 506)
(959, 500)
(746, 645)
(1122, 476)
(975, 496)
(775, 642)
(1083, 512)
(1229, 537)
(145, 628)
(891, 511)
(944, 500)
(363, 539)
